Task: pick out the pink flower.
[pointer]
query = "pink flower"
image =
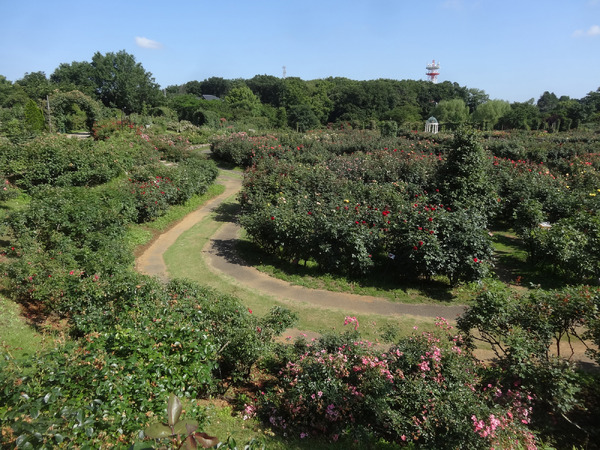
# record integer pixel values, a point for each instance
(353, 320)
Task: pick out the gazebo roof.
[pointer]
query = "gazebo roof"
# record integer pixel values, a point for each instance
(432, 120)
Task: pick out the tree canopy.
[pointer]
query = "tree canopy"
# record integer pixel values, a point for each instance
(118, 81)
(121, 82)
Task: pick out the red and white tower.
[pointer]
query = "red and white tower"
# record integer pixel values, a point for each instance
(433, 71)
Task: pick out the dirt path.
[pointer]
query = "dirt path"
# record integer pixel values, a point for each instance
(151, 261)
(220, 256)
(219, 253)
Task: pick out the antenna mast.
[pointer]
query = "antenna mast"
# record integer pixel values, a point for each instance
(433, 71)
(284, 73)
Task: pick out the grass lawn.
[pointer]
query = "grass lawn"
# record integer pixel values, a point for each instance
(184, 260)
(515, 268)
(17, 337)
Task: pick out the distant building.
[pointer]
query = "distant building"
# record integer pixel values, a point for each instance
(431, 126)
(210, 97)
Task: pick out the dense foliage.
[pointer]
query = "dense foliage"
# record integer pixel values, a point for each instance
(65, 101)
(141, 343)
(364, 192)
(425, 390)
(419, 205)
(133, 340)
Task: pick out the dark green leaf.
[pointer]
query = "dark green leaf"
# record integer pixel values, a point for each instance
(173, 409)
(157, 431)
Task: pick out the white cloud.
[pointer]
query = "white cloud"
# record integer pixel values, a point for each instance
(594, 30)
(147, 43)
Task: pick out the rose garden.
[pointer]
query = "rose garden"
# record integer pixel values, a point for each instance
(503, 221)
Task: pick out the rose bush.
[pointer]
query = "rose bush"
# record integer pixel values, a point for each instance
(425, 391)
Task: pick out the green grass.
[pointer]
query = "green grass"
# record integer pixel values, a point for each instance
(16, 336)
(141, 234)
(14, 204)
(310, 275)
(184, 260)
(514, 267)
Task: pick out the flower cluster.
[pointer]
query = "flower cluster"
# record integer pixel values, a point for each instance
(335, 381)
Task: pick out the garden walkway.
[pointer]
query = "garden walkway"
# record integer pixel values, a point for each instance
(220, 255)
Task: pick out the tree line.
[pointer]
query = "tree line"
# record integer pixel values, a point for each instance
(118, 81)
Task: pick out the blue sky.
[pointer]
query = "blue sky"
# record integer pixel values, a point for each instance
(513, 50)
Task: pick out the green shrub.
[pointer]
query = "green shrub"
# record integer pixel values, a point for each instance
(424, 390)
(524, 331)
(108, 385)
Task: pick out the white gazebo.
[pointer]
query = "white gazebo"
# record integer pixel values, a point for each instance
(431, 126)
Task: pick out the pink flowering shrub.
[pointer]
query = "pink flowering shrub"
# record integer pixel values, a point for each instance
(425, 390)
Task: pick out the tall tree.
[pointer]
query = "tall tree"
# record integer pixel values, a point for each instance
(243, 102)
(489, 113)
(34, 118)
(216, 86)
(268, 88)
(452, 112)
(193, 87)
(36, 85)
(522, 115)
(591, 106)
(476, 97)
(123, 83)
(547, 102)
(6, 90)
(75, 76)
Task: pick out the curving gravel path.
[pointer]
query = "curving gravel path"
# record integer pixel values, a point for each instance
(220, 256)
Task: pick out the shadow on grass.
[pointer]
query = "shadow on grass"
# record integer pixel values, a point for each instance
(228, 249)
(395, 288)
(227, 212)
(513, 265)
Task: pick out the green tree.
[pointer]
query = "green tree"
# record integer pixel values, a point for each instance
(268, 89)
(123, 83)
(475, 98)
(547, 102)
(77, 76)
(452, 112)
(349, 101)
(193, 87)
(34, 117)
(522, 116)
(302, 118)
(406, 114)
(466, 176)
(591, 106)
(185, 105)
(36, 85)
(243, 101)
(489, 113)
(6, 90)
(216, 86)
(319, 100)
